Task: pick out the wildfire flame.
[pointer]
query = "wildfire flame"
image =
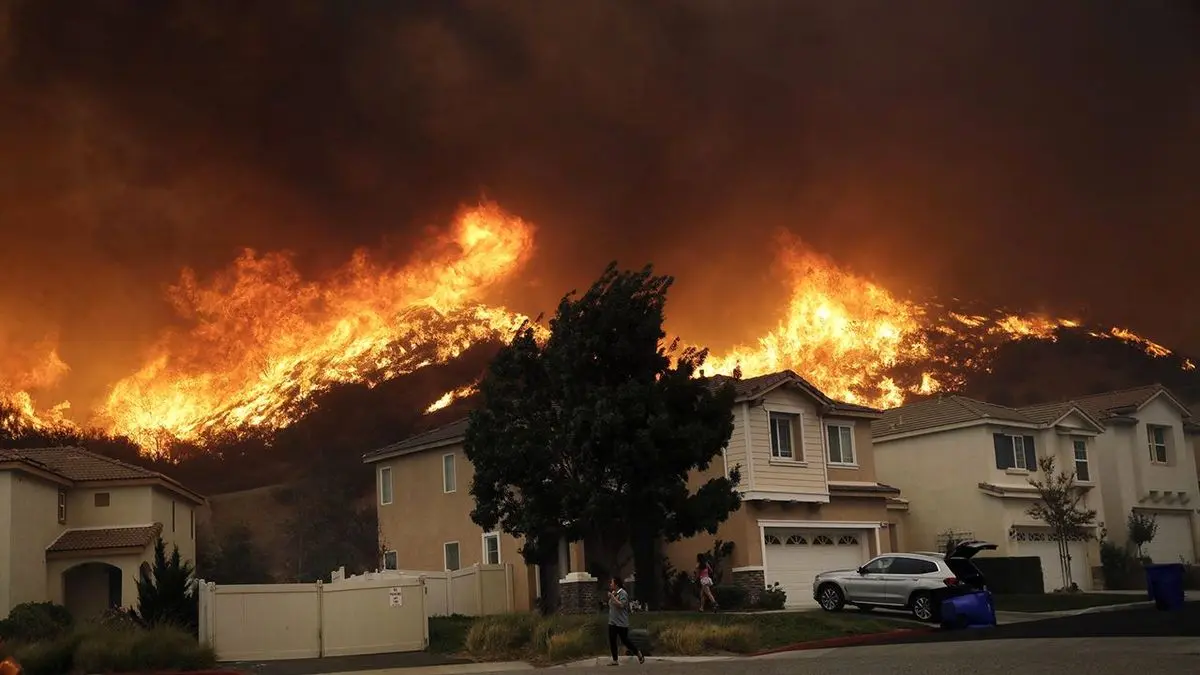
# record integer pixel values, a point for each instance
(9, 666)
(263, 341)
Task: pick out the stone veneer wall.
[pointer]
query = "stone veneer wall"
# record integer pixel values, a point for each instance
(753, 581)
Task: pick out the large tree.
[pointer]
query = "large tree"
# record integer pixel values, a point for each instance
(600, 429)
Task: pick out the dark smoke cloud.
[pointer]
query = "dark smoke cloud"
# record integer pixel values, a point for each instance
(1041, 154)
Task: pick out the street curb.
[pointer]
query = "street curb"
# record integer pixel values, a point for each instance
(846, 641)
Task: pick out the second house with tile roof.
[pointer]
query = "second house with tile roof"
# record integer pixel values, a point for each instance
(811, 501)
(966, 464)
(76, 527)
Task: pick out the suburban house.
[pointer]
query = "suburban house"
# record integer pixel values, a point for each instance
(76, 527)
(811, 501)
(967, 465)
(1146, 462)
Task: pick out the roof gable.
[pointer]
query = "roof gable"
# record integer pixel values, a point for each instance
(77, 465)
(1111, 404)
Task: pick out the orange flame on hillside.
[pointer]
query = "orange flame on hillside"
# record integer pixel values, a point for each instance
(262, 341)
(9, 666)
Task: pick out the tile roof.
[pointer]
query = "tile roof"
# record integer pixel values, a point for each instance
(79, 465)
(443, 435)
(107, 537)
(1046, 413)
(752, 387)
(942, 411)
(1114, 403)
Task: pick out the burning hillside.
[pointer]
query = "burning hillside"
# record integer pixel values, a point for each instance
(262, 342)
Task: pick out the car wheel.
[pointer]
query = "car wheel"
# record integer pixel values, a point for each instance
(922, 606)
(830, 598)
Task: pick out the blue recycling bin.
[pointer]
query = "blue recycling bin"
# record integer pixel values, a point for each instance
(969, 610)
(1164, 585)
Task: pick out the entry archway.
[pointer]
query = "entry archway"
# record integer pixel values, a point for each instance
(91, 588)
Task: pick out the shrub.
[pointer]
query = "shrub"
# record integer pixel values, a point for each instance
(693, 639)
(162, 647)
(54, 656)
(1120, 568)
(500, 635)
(570, 644)
(35, 621)
(773, 597)
(730, 597)
(165, 593)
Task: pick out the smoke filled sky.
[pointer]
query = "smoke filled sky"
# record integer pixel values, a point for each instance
(1044, 156)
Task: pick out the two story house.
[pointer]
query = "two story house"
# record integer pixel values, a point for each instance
(811, 501)
(966, 464)
(1146, 463)
(77, 527)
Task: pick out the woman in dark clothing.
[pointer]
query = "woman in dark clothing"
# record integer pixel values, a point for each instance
(618, 620)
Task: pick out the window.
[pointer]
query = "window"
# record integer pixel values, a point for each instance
(62, 506)
(390, 561)
(841, 443)
(781, 436)
(772, 540)
(101, 499)
(878, 566)
(449, 482)
(491, 548)
(1015, 452)
(172, 515)
(385, 485)
(797, 540)
(847, 540)
(1157, 438)
(192, 522)
(1081, 461)
(822, 540)
(912, 566)
(450, 553)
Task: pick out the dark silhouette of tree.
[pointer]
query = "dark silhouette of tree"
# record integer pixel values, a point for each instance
(165, 591)
(598, 429)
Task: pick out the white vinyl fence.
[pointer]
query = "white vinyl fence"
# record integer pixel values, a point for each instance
(261, 622)
(478, 590)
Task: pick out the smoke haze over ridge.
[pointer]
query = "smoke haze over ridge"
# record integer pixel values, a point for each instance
(1039, 154)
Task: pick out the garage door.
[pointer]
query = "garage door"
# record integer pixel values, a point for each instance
(1052, 576)
(794, 557)
(1173, 540)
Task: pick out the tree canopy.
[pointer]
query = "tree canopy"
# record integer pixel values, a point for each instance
(601, 428)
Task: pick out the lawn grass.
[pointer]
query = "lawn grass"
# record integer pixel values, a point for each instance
(555, 639)
(1059, 602)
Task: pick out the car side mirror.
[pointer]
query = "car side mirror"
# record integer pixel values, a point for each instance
(862, 570)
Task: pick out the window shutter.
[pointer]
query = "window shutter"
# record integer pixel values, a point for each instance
(1030, 454)
(1004, 451)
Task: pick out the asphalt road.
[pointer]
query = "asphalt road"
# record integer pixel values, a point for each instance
(1144, 656)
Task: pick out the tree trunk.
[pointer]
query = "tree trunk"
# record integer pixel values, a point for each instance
(1064, 560)
(646, 564)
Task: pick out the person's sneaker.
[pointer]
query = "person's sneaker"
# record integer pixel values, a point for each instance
(614, 663)
(641, 658)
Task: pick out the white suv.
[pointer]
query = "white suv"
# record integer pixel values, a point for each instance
(912, 581)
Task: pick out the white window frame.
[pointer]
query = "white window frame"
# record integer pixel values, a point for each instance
(486, 536)
(446, 556)
(395, 558)
(449, 476)
(792, 418)
(1153, 445)
(1019, 453)
(386, 486)
(830, 426)
(1076, 445)
(62, 507)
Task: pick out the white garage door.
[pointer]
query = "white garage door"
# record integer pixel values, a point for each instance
(1052, 576)
(1173, 540)
(794, 557)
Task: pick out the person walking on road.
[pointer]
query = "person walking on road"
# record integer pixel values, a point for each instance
(618, 621)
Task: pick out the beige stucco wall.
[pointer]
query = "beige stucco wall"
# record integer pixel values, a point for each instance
(33, 507)
(1128, 474)
(6, 545)
(940, 474)
(422, 518)
(864, 451)
(179, 522)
